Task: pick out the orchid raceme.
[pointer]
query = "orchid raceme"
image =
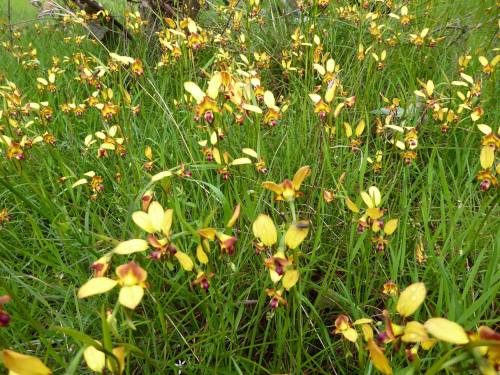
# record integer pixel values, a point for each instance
(130, 277)
(372, 217)
(281, 266)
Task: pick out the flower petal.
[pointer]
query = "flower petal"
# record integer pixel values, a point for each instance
(300, 175)
(194, 90)
(264, 229)
(290, 279)
(160, 176)
(390, 226)
(131, 296)
(131, 246)
(411, 298)
(167, 221)
(156, 213)
(143, 221)
(447, 331)
(22, 364)
(184, 260)
(350, 334)
(296, 233)
(351, 205)
(201, 255)
(96, 285)
(95, 359)
(378, 358)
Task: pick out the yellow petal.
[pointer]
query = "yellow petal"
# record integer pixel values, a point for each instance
(351, 205)
(375, 194)
(95, 359)
(216, 155)
(330, 93)
(296, 233)
(160, 176)
(119, 353)
(487, 157)
(252, 108)
(367, 332)
(447, 331)
(338, 108)
(234, 216)
(378, 358)
(184, 260)
(411, 298)
(264, 229)
(125, 60)
(319, 69)
(300, 175)
(241, 161)
(81, 181)
(390, 226)
(207, 233)
(485, 129)
(167, 221)
(194, 90)
(483, 60)
(362, 321)
(274, 187)
(156, 213)
(22, 364)
(269, 99)
(201, 255)
(290, 279)
(350, 334)
(367, 199)
(375, 213)
(214, 85)
(96, 285)
(275, 277)
(131, 246)
(131, 296)
(143, 221)
(250, 152)
(414, 332)
(315, 98)
(360, 128)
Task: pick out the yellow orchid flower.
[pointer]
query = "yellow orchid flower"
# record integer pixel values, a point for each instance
(131, 279)
(206, 105)
(288, 190)
(344, 327)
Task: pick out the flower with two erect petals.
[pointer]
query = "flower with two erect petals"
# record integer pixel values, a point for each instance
(288, 190)
(157, 222)
(206, 103)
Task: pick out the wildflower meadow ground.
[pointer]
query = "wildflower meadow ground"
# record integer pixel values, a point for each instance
(249, 187)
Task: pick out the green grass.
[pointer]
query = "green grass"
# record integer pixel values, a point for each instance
(56, 232)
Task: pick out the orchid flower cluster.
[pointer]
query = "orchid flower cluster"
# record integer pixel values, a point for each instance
(372, 218)
(411, 335)
(281, 254)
